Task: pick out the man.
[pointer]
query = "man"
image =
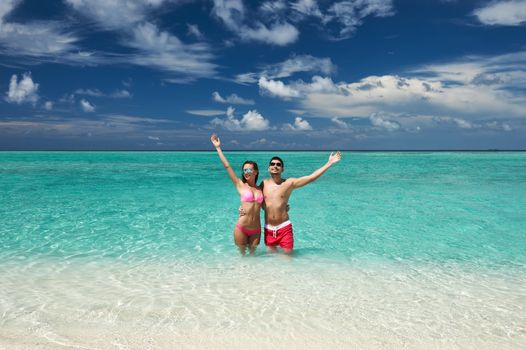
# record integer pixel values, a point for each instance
(276, 190)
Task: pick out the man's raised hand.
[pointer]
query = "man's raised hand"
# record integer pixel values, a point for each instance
(335, 157)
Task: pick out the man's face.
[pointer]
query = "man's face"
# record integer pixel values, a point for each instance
(275, 167)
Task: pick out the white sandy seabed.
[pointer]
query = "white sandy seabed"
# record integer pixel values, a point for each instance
(259, 303)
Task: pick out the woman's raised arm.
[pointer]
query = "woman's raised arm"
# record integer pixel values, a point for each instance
(217, 143)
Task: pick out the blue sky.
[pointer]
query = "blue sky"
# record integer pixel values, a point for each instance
(303, 74)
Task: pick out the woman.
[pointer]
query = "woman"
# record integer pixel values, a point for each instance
(247, 231)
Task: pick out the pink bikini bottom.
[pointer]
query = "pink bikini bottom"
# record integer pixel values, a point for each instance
(247, 231)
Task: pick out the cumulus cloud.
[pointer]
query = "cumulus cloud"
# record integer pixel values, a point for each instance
(48, 105)
(24, 91)
(87, 106)
(296, 89)
(277, 88)
(251, 121)
(470, 88)
(300, 124)
(506, 13)
(232, 99)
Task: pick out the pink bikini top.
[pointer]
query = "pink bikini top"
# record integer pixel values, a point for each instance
(248, 197)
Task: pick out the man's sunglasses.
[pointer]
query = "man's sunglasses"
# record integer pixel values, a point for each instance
(275, 164)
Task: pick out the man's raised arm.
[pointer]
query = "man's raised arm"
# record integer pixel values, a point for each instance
(304, 180)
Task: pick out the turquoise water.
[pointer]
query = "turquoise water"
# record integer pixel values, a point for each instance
(466, 207)
(444, 227)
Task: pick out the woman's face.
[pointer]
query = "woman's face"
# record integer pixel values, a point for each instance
(249, 172)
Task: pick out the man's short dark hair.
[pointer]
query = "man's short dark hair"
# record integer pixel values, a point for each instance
(277, 158)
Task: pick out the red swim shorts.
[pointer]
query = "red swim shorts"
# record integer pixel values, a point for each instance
(280, 235)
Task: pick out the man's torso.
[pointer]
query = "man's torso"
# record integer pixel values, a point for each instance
(276, 199)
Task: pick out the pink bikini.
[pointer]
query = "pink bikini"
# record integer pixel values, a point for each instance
(248, 197)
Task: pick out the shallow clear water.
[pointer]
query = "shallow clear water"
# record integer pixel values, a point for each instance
(134, 250)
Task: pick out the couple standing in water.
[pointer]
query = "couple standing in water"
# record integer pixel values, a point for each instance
(272, 195)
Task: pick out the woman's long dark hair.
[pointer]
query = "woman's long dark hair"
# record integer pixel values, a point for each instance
(255, 165)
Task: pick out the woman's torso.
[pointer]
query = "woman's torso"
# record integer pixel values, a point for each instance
(251, 202)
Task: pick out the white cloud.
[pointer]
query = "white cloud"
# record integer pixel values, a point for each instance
(272, 22)
(340, 123)
(122, 93)
(470, 88)
(251, 121)
(115, 14)
(87, 106)
(464, 124)
(193, 30)
(232, 15)
(165, 51)
(296, 89)
(153, 138)
(302, 63)
(35, 39)
(89, 92)
(307, 8)
(246, 78)
(232, 99)
(261, 141)
(507, 13)
(48, 105)
(154, 47)
(300, 124)
(230, 12)
(341, 18)
(383, 123)
(350, 14)
(24, 91)
(113, 126)
(280, 34)
(119, 93)
(205, 112)
(277, 88)
(274, 9)
(50, 41)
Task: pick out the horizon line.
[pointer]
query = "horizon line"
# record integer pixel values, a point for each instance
(264, 150)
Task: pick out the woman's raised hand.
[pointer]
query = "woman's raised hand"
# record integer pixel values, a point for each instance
(215, 140)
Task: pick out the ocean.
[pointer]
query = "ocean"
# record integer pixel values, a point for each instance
(134, 250)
